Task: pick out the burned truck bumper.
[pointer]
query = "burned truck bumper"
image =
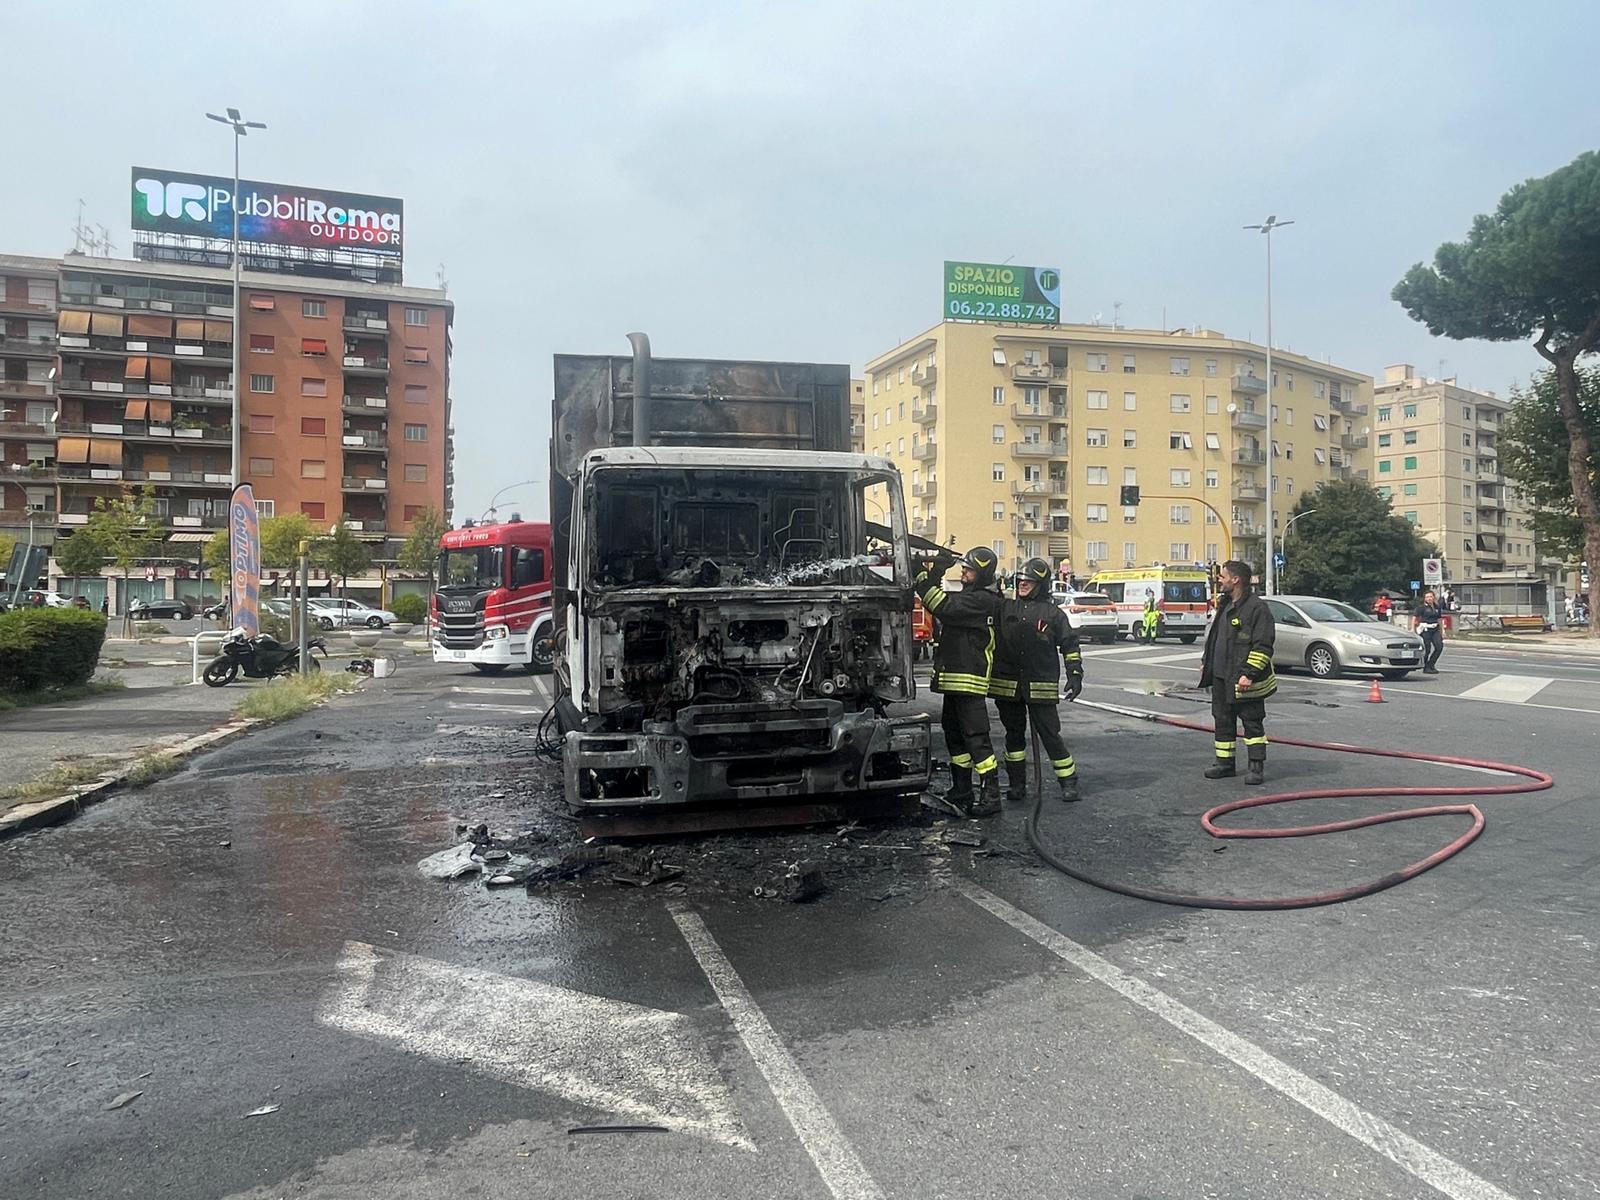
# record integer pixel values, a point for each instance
(716, 754)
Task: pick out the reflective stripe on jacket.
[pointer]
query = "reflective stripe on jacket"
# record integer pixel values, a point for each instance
(1036, 639)
(1250, 632)
(964, 657)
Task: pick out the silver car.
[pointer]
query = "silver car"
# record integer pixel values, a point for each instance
(1328, 638)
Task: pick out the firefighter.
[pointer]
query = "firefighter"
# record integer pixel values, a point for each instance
(1237, 667)
(962, 662)
(1035, 640)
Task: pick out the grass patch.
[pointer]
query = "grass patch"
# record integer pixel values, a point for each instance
(61, 778)
(10, 701)
(285, 698)
(150, 767)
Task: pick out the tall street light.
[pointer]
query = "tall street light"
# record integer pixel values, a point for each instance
(1283, 539)
(240, 128)
(1266, 227)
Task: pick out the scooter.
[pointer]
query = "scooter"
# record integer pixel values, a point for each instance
(263, 657)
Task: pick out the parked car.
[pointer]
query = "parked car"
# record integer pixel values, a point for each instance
(177, 608)
(1091, 615)
(31, 597)
(333, 610)
(1328, 637)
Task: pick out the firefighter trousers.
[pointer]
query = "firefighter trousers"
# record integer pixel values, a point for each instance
(965, 720)
(1226, 711)
(1046, 720)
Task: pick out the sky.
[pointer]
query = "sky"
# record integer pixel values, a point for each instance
(785, 180)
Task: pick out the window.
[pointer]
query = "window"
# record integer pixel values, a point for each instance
(264, 508)
(262, 343)
(1288, 381)
(416, 316)
(1097, 437)
(1412, 517)
(999, 358)
(1030, 398)
(1130, 551)
(261, 383)
(1127, 364)
(1130, 515)
(1179, 552)
(1385, 466)
(1098, 362)
(413, 511)
(1384, 414)
(313, 308)
(1180, 514)
(313, 387)
(1319, 423)
(416, 354)
(416, 472)
(1098, 475)
(1409, 489)
(1213, 441)
(874, 422)
(1180, 404)
(888, 415)
(1288, 416)
(1466, 466)
(1211, 366)
(874, 385)
(997, 434)
(1130, 401)
(1466, 544)
(902, 446)
(900, 410)
(261, 466)
(315, 509)
(902, 374)
(1177, 478)
(263, 303)
(1097, 513)
(1177, 366)
(313, 347)
(999, 395)
(1385, 439)
(1213, 479)
(1408, 411)
(998, 512)
(1211, 405)
(1097, 400)
(1321, 389)
(259, 423)
(1466, 412)
(1097, 550)
(1411, 462)
(313, 468)
(1130, 475)
(1466, 439)
(1386, 491)
(997, 472)
(1409, 437)
(1177, 440)
(1130, 439)
(314, 426)
(1319, 454)
(416, 433)
(1211, 517)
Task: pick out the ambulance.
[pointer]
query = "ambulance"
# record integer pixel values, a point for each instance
(1182, 595)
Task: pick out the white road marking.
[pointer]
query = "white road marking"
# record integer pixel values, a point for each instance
(487, 691)
(640, 1063)
(1106, 651)
(842, 1171)
(1513, 689)
(543, 690)
(1432, 695)
(1432, 1168)
(1189, 657)
(499, 708)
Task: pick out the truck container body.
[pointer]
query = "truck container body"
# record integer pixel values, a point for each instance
(492, 603)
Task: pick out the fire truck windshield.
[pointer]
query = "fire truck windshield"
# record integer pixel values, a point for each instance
(472, 570)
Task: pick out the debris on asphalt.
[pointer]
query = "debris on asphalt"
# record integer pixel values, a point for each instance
(263, 1111)
(963, 837)
(636, 868)
(578, 1129)
(452, 863)
(123, 1100)
(805, 883)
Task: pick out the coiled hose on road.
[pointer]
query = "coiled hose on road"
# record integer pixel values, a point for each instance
(1538, 781)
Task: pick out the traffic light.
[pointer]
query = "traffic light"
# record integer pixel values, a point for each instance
(1130, 495)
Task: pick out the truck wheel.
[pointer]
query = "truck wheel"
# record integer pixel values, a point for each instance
(541, 656)
(488, 668)
(1188, 639)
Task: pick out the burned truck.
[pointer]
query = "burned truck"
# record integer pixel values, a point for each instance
(732, 592)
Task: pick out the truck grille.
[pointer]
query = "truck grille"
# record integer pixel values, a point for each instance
(461, 631)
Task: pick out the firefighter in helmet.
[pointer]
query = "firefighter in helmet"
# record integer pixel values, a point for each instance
(961, 666)
(1036, 640)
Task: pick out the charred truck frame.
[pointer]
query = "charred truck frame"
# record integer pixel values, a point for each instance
(732, 627)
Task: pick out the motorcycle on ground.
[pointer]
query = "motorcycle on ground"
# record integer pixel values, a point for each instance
(263, 657)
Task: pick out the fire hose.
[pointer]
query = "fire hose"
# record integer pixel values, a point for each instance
(1536, 781)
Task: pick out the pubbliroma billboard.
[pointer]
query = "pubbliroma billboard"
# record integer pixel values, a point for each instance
(274, 214)
(990, 292)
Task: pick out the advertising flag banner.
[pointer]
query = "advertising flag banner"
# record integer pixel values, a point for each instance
(244, 560)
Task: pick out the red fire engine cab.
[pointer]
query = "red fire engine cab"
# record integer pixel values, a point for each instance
(492, 604)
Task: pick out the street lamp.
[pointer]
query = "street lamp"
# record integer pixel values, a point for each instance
(1266, 227)
(510, 487)
(240, 128)
(1283, 539)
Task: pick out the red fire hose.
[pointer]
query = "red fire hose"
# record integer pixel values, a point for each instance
(1537, 781)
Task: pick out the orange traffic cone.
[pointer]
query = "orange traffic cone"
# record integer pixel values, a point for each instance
(1375, 696)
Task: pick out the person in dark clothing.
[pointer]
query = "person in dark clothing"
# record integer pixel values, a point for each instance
(1035, 640)
(962, 662)
(1238, 670)
(1427, 621)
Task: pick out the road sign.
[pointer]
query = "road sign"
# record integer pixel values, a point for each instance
(1433, 570)
(150, 574)
(1416, 585)
(1278, 560)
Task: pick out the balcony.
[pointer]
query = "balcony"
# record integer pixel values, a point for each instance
(1250, 458)
(356, 364)
(1038, 449)
(196, 479)
(1045, 412)
(926, 414)
(1242, 418)
(27, 429)
(1353, 441)
(1249, 385)
(204, 521)
(924, 376)
(151, 430)
(927, 527)
(925, 451)
(30, 308)
(1349, 407)
(27, 347)
(1487, 424)
(1031, 525)
(1036, 372)
(360, 324)
(27, 387)
(1038, 487)
(1249, 492)
(925, 491)
(858, 430)
(1246, 530)
(362, 483)
(364, 525)
(357, 442)
(365, 404)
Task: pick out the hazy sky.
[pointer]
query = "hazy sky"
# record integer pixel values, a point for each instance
(785, 180)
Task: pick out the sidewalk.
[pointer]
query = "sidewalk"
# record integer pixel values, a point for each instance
(1577, 642)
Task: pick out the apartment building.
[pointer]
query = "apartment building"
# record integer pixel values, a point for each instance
(119, 373)
(1436, 457)
(1022, 438)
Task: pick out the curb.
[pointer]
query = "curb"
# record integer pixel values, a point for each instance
(41, 813)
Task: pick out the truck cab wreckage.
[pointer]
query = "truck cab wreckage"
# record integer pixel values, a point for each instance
(733, 626)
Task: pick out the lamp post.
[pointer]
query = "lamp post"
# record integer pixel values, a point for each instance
(1266, 227)
(1283, 540)
(508, 488)
(240, 128)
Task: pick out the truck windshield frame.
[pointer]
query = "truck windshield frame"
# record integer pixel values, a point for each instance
(471, 569)
(742, 529)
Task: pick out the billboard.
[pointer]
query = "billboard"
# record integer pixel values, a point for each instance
(991, 292)
(244, 560)
(271, 213)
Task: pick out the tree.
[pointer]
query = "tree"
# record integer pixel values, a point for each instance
(1352, 546)
(1531, 270)
(7, 545)
(281, 538)
(215, 557)
(420, 552)
(126, 530)
(79, 555)
(1535, 450)
(345, 556)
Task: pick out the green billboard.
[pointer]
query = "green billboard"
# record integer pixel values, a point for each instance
(991, 292)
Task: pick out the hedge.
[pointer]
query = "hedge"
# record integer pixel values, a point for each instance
(43, 648)
(410, 608)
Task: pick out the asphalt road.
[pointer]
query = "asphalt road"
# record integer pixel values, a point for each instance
(957, 1023)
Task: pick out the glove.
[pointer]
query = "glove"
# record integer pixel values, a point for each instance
(1073, 688)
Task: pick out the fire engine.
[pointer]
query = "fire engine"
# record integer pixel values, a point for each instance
(492, 605)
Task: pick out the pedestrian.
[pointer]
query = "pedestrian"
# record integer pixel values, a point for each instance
(964, 654)
(1426, 620)
(1035, 641)
(1238, 669)
(1383, 608)
(105, 605)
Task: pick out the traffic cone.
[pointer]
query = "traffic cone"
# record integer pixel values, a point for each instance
(1375, 696)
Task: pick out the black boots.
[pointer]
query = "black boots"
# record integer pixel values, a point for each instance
(960, 793)
(987, 802)
(1221, 769)
(1069, 788)
(1254, 771)
(1016, 782)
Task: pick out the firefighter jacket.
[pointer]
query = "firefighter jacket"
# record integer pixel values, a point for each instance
(1035, 639)
(1248, 632)
(966, 620)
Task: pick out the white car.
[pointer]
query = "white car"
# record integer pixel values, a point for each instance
(332, 611)
(1091, 615)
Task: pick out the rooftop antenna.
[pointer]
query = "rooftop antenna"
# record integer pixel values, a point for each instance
(1096, 321)
(1116, 314)
(439, 278)
(106, 244)
(81, 233)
